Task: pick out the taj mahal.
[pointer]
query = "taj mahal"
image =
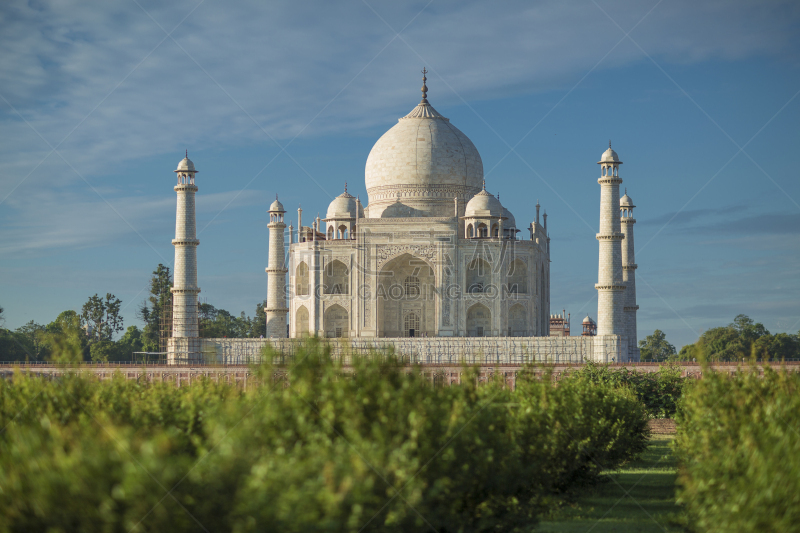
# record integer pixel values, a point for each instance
(433, 262)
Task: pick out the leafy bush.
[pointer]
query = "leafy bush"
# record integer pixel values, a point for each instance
(375, 449)
(660, 392)
(740, 452)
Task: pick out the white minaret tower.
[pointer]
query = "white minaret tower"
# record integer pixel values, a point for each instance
(184, 346)
(629, 274)
(610, 286)
(276, 274)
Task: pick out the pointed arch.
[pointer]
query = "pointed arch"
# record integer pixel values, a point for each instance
(479, 321)
(301, 279)
(301, 322)
(479, 276)
(518, 321)
(518, 277)
(336, 322)
(336, 278)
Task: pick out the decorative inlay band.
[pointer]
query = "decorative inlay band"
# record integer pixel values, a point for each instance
(389, 252)
(609, 179)
(609, 287)
(630, 267)
(391, 192)
(612, 237)
(184, 291)
(185, 242)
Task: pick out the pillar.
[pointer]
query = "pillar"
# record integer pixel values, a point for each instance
(276, 274)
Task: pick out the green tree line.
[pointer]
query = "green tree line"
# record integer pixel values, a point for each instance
(90, 334)
(741, 339)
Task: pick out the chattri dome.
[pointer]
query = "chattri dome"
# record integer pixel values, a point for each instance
(343, 206)
(609, 156)
(186, 164)
(626, 201)
(277, 206)
(510, 222)
(484, 204)
(425, 161)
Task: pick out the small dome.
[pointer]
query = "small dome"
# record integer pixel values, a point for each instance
(588, 320)
(510, 222)
(610, 156)
(276, 205)
(185, 165)
(484, 204)
(343, 206)
(626, 201)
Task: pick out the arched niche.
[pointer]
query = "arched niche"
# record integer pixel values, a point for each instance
(479, 276)
(336, 322)
(518, 277)
(301, 322)
(479, 321)
(518, 321)
(406, 285)
(301, 279)
(336, 278)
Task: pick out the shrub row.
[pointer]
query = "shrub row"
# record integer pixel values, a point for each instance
(739, 448)
(378, 449)
(660, 392)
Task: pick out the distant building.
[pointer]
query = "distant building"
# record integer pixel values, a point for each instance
(559, 324)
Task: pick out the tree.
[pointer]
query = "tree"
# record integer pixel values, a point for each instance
(64, 339)
(101, 317)
(34, 334)
(130, 342)
(156, 308)
(655, 347)
(258, 326)
(14, 346)
(742, 339)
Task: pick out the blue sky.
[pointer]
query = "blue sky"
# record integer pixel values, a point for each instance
(98, 101)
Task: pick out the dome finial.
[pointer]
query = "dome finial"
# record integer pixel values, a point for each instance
(276, 196)
(187, 153)
(484, 184)
(424, 87)
(609, 143)
(345, 186)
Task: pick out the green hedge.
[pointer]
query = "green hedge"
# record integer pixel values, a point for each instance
(739, 447)
(379, 449)
(660, 392)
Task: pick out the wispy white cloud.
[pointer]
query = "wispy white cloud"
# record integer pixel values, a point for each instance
(284, 61)
(49, 219)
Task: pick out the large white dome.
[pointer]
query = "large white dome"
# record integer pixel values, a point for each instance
(424, 162)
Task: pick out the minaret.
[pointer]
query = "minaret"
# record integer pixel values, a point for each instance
(184, 346)
(276, 274)
(629, 274)
(610, 286)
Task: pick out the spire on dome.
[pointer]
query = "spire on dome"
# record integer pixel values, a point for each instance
(424, 109)
(609, 143)
(345, 186)
(484, 184)
(424, 87)
(187, 153)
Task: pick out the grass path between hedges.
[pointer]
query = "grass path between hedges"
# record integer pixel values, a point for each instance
(650, 499)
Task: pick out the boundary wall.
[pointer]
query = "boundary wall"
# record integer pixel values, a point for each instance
(427, 350)
(244, 376)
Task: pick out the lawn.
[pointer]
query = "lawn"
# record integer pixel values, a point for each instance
(640, 497)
